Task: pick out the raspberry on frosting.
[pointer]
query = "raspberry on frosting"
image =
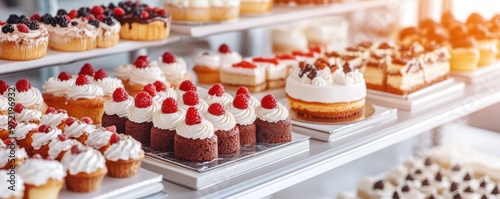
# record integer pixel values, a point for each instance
(3, 86)
(119, 11)
(87, 120)
(43, 128)
(268, 102)
(160, 86)
(244, 91)
(35, 17)
(190, 98)
(187, 85)
(216, 109)
(97, 10)
(143, 100)
(193, 116)
(115, 137)
(62, 137)
(75, 149)
(69, 121)
(81, 80)
(100, 74)
(18, 108)
(141, 63)
(216, 90)
(73, 14)
(13, 123)
(150, 89)
(87, 69)
(23, 85)
(23, 28)
(240, 102)
(168, 58)
(144, 57)
(111, 128)
(9, 141)
(120, 95)
(64, 76)
(224, 48)
(169, 105)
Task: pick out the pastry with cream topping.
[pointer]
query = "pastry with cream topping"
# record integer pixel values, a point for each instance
(123, 156)
(42, 138)
(273, 121)
(84, 100)
(276, 71)
(228, 134)
(22, 39)
(109, 27)
(195, 139)
(487, 44)
(11, 189)
(42, 178)
(99, 139)
(142, 72)
(60, 145)
(207, 68)
(252, 101)
(79, 129)
(164, 123)
(55, 118)
(30, 97)
(244, 73)
(115, 110)
(191, 99)
(7, 161)
(23, 114)
(217, 94)
(86, 169)
(23, 133)
(174, 68)
(245, 117)
(140, 118)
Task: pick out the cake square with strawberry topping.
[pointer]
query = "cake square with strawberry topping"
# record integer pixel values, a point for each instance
(245, 73)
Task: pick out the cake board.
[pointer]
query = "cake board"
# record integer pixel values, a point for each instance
(483, 75)
(421, 100)
(144, 183)
(202, 178)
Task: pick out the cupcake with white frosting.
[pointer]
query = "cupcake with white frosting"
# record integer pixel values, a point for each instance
(142, 73)
(191, 99)
(4, 127)
(108, 84)
(26, 115)
(99, 139)
(164, 123)
(207, 68)
(185, 86)
(42, 178)
(42, 138)
(140, 118)
(123, 156)
(109, 30)
(22, 38)
(195, 139)
(60, 145)
(228, 134)
(23, 133)
(71, 34)
(11, 188)
(7, 160)
(84, 100)
(86, 169)
(30, 97)
(79, 129)
(273, 122)
(55, 118)
(174, 68)
(115, 110)
(216, 94)
(54, 89)
(245, 117)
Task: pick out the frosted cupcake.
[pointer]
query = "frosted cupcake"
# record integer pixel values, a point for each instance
(115, 110)
(79, 129)
(7, 161)
(174, 68)
(216, 94)
(245, 117)
(99, 139)
(228, 134)
(140, 118)
(108, 84)
(42, 178)
(163, 92)
(59, 146)
(23, 132)
(124, 156)
(140, 74)
(164, 123)
(7, 184)
(207, 68)
(86, 169)
(273, 122)
(42, 138)
(26, 115)
(55, 118)
(28, 96)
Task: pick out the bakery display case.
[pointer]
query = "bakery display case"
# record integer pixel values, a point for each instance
(251, 99)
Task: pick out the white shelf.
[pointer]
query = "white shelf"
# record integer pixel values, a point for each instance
(279, 15)
(323, 157)
(57, 57)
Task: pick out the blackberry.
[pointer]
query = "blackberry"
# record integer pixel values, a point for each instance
(61, 12)
(108, 13)
(46, 19)
(74, 23)
(111, 6)
(61, 20)
(94, 23)
(137, 12)
(33, 25)
(108, 21)
(8, 28)
(83, 12)
(121, 4)
(24, 20)
(13, 19)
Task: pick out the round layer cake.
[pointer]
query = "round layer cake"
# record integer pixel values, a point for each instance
(326, 90)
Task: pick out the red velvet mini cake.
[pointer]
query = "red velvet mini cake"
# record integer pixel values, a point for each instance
(164, 123)
(273, 121)
(115, 110)
(228, 134)
(245, 119)
(140, 118)
(195, 139)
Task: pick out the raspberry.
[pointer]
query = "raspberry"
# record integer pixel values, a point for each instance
(119, 11)
(87, 120)
(169, 105)
(61, 137)
(148, 8)
(143, 100)
(43, 128)
(191, 98)
(91, 17)
(9, 141)
(100, 74)
(101, 17)
(224, 49)
(75, 149)
(216, 109)
(193, 116)
(120, 95)
(266, 60)
(18, 108)
(150, 89)
(240, 102)
(268, 102)
(96, 10)
(64, 76)
(160, 86)
(217, 90)
(114, 138)
(2, 23)
(50, 110)
(140, 63)
(168, 58)
(87, 69)
(13, 123)
(70, 121)
(111, 128)
(244, 64)
(35, 17)
(23, 85)
(144, 14)
(162, 12)
(144, 57)
(81, 80)
(244, 91)
(187, 85)
(3, 86)
(73, 14)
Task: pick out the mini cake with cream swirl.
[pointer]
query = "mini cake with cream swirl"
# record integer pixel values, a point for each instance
(164, 123)
(273, 121)
(228, 134)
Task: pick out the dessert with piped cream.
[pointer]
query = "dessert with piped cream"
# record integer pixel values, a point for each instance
(22, 38)
(228, 134)
(273, 121)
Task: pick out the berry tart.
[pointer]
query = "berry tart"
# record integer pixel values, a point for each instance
(140, 118)
(42, 138)
(244, 73)
(109, 27)
(42, 178)
(191, 99)
(123, 156)
(99, 139)
(79, 129)
(86, 169)
(6, 147)
(140, 74)
(60, 145)
(217, 94)
(228, 134)
(23, 133)
(195, 139)
(6, 188)
(252, 101)
(174, 68)
(276, 72)
(207, 68)
(25, 115)
(30, 97)
(141, 22)
(55, 118)
(273, 122)
(22, 39)
(245, 117)
(164, 123)
(115, 110)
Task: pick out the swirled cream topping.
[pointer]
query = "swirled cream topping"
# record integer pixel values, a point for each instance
(225, 99)
(242, 116)
(5, 191)
(28, 115)
(109, 85)
(57, 146)
(5, 154)
(99, 138)
(118, 108)
(31, 37)
(77, 129)
(140, 115)
(224, 122)
(143, 76)
(88, 91)
(230, 58)
(123, 71)
(201, 131)
(57, 87)
(178, 68)
(87, 161)
(54, 119)
(22, 129)
(125, 149)
(4, 122)
(42, 138)
(201, 106)
(161, 96)
(4, 103)
(38, 171)
(29, 98)
(168, 121)
(272, 115)
(212, 61)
